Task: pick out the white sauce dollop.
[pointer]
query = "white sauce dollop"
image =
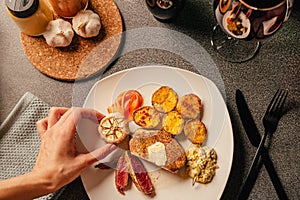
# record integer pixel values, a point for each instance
(157, 154)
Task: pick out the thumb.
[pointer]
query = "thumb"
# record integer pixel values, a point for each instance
(97, 154)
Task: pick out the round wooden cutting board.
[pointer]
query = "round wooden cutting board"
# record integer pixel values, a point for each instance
(78, 61)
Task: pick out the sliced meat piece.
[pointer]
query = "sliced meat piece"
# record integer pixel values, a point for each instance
(122, 174)
(139, 174)
(107, 165)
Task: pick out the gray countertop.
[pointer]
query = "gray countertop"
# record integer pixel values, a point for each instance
(277, 65)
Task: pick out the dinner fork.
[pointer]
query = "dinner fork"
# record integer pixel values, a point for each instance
(270, 122)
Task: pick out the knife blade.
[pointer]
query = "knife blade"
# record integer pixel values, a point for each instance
(254, 137)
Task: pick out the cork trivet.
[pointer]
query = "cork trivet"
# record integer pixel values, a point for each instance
(80, 59)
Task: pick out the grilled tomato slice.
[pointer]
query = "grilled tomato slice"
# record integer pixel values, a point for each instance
(126, 103)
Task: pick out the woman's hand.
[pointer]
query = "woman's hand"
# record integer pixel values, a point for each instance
(58, 160)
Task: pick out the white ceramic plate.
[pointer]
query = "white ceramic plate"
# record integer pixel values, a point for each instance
(99, 184)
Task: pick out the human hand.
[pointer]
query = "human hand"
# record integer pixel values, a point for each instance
(58, 161)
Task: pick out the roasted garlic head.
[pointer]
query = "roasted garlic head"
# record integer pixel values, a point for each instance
(86, 23)
(59, 33)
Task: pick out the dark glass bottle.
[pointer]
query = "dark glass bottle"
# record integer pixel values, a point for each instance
(165, 10)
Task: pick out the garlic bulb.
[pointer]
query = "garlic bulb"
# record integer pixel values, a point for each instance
(59, 33)
(114, 128)
(86, 23)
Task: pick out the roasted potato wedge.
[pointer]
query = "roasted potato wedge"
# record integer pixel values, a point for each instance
(146, 117)
(164, 99)
(173, 123)
(189, 106)
(195, 131)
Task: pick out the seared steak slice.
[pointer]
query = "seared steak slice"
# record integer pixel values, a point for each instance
(107, 165)
(122, 174)
(139, 174)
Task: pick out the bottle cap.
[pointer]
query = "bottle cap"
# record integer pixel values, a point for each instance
(22, 8)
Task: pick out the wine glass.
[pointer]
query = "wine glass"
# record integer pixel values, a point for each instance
(242, 24)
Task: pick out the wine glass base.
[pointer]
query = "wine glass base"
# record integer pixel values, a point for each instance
(231, 49)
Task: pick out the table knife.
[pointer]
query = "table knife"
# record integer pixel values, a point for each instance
(254, 137)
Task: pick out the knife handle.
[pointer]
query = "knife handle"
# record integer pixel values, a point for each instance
(250, 181)
(273, 175)
(247, 187)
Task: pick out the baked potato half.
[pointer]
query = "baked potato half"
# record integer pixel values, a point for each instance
(173, 123)
(146, 117)
(164, 99)
(189, 106)
(195, 131)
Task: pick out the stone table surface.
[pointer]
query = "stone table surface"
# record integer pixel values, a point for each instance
(277, 65)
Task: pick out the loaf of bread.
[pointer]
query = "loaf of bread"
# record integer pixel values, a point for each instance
(142, 141)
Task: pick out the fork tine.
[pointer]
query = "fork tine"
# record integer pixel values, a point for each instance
(282, 100)
(277, 101)
(271, 104)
